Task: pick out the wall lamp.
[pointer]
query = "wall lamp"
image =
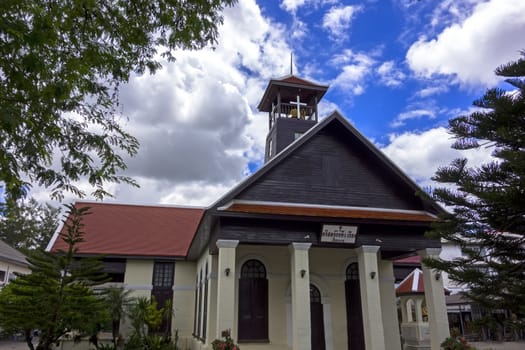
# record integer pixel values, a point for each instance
(372, 274)
(303, 272)
(227, 271)
(437, 276)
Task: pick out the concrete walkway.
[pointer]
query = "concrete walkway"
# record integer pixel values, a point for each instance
(511, 345)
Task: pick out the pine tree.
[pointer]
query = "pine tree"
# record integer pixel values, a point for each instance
(488, 202)
(57, 296)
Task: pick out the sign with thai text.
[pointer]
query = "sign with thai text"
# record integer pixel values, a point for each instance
(338, 234)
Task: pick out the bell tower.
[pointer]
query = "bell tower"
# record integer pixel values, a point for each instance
(291, 103)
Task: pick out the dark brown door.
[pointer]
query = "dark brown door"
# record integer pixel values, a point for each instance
(316, 319)
(354, 316)
(253, 302)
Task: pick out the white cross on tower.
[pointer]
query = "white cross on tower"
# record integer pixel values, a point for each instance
(298, 103)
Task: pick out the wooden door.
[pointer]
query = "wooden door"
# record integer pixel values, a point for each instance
(354, 315)
(316, 319)
(253, 302)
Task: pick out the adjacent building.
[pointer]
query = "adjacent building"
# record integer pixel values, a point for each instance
(11, 262)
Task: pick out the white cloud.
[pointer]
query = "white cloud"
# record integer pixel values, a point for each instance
(356, 67)
(292, 5)
(432, 90)
(419, 155)
(412, 114)
(389, 75)
(471, 49)
(194, 118)
(338, 19)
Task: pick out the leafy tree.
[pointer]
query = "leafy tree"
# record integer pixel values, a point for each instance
(61, 65)
(57, 296)
(488, 202)
(27, 224)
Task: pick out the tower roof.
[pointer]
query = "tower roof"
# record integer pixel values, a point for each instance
(290, 86)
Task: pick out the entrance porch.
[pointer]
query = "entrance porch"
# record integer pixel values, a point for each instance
(301, 297)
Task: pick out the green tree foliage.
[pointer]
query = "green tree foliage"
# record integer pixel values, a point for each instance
(27, 224)
(57, 296)
(61, 64)
(488, 202)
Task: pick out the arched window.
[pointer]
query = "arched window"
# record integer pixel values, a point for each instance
(205, 311)
(315, 294)
(253, 269)
(253, 302)
(352, 272)
(199, 319)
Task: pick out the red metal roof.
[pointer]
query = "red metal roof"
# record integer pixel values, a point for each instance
(136, 230)
(414, 259)
(412, 284)
(296, 80)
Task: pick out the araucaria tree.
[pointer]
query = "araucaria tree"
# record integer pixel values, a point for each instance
(487, 202)
(61, 64)
(57, 296)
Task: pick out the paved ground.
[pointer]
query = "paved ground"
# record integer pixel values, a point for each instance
(499, 346)
(11, 345)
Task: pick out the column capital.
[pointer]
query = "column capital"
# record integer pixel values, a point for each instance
(429, 252)
(367, 249)
(227, 243)
(299, 246)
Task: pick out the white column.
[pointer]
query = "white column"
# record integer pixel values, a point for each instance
(371, 298)
(388, 305)
(435, 299)
(226, 287)
(300, 276)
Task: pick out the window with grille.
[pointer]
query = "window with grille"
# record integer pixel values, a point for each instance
(163, 274)
(253, 269)
(315, 294)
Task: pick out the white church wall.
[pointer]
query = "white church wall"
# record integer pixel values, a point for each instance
(183, 301)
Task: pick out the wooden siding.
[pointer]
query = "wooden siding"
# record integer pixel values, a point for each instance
(334, 168)
(400, 239)
(283, 133)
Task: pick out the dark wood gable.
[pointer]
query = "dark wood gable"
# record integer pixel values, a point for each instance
(331, 175)
(333, 168)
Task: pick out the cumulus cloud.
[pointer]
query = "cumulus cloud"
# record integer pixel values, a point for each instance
(355, 68)
(469, 50)
(338, 20)
(420, 154)
(194, 118)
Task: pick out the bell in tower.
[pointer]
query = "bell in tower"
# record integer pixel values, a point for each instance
(291, 103)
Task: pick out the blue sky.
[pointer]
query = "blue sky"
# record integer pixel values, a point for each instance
(397, 69)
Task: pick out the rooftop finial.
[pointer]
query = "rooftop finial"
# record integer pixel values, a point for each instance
(291, 63)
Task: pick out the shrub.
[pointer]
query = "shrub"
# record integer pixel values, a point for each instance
(226, 344)
(456, 343)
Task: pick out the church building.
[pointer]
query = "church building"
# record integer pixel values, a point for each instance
(297, 256)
